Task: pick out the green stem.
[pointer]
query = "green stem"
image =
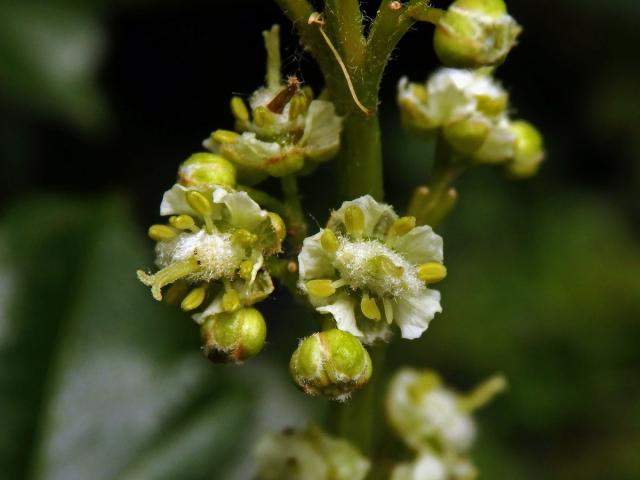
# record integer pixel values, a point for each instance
(430, 206)
(294, 215)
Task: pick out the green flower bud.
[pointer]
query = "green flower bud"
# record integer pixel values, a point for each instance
(468, 135)
(475, 33)
(206, 169)
(332, 363)
(233, 336)
(529, 151)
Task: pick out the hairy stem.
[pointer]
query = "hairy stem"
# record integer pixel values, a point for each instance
(294, 215)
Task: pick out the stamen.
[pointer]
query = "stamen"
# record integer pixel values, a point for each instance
(239, 109)
(320, 288)
(298, 106)
(369, 308)
(386, 266)
(224, 136)
(483, 393)
(432, 272)
(203, 206)
(244, 238)
(230, 301)
(329, 241)
(194, 299)
(354, 221)
(246, 269)
(161, 233)
(167, 275)
(388, 310)
(339, 283)
(183, 222)
(402, 226)
(262, 117)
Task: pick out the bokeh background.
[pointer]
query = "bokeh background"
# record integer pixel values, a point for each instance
(99, 102)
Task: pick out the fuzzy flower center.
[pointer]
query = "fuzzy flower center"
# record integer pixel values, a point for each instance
(217, 256)
(371, 265)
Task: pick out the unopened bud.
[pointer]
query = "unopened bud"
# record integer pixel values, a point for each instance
(475, 33)
(332, 363)
(205, 169)
(468, 135)
(529, 151)
(233, 336)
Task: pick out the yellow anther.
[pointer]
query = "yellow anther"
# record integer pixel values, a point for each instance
(320, 288)
(492, 105)
(420, 92)
(244, 238)
(183, 222)
(388, 310)
(298, 105)
(203, 206)
(175, 293)
(354, 221)
(230, 301)
(329, 241)
(194, 299)
(199, 202)
(239, 109)
(246, 269)
(386, 266)
(224, 136)
(370, 308)
(432, 272)
(262, 117)
(161, 233)
(402, 226)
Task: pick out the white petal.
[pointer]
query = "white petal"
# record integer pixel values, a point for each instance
(175, 203)
(322, 130)
(243, 211)
(413, 314)
(343, 311)
(420, 245)
(248, 151)
(449, 96)
(376, 214)
(214, 308)
(257, 265)
(313, 261)
(500, 145)
(373, 331)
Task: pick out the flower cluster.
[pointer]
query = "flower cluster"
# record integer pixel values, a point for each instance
(369, 269)
(435, 422)
(211, 253)
(309, 454)
(469, 109)
(283, 130)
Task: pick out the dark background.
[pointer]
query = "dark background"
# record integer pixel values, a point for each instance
(100, 101)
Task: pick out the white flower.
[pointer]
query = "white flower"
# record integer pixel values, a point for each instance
(431, 466)
(309, 454)
(369, 269)
(284, 130)
(215, 241)
(425, 413)
(469, 106)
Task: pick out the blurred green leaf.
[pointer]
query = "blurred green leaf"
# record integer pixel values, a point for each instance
(97, 381)
(49, 56)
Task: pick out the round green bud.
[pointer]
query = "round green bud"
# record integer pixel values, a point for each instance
(468, 135)
(529, 151)
(233, 336)
(205, 169)
(332, 363)
(475, 33)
